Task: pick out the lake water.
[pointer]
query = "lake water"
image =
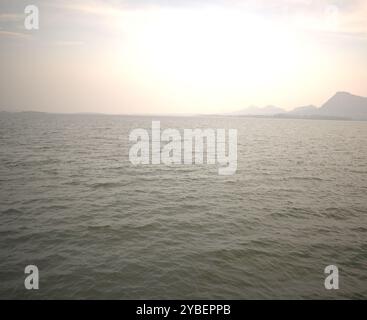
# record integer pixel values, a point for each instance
(98, 227)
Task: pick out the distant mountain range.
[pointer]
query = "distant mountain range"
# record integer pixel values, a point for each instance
(342, 105)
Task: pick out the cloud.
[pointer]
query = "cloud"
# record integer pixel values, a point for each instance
(11, 34)
(11, 17)
(338, 17)
(68, 43)
(342, 16)
(90, 7)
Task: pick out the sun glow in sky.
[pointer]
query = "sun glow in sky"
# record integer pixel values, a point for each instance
(217, 56)
(94, 56)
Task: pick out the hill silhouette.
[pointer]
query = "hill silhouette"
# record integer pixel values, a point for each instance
(343, 105)
(347, 105)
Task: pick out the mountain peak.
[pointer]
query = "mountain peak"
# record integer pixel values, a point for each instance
(345, 104)
(341, 93)
(342, 105)
(305, 110)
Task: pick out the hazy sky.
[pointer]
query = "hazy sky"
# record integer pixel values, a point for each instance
(180, 56)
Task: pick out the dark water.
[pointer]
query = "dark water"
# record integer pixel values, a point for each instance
(98, 227)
